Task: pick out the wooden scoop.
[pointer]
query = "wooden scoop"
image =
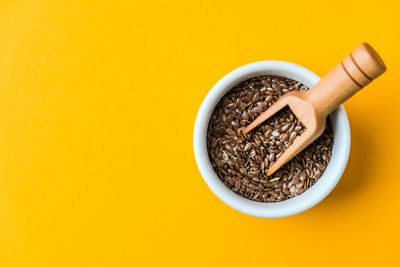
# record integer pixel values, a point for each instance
(311, 107)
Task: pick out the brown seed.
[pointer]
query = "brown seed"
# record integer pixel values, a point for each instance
(298, 128)
(271, 157)
(276, 87)
(245, 99)
(265, 83)
(218, 162)
(245, 116)
(286, 191)
(232, 171)
(275, 179)
(238, 185)
(303, 176)
(292, 189)
(253, 187)
(284, 137)
(320, 166)
(280, 184)
(266, 162)
(325, 156)
(235, 124)
(247, 146)
(257, 109)
(275, 151)
(268, 133)
(299, 191)
(285, 127)
(303, 88)
(269, 98)
(228, 147)
(273, 193)
(292, 136)
(230, 131)
(256, 97)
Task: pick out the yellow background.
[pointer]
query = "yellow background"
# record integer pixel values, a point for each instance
(97, 106)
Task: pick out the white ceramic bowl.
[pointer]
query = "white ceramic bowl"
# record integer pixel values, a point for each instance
(332, 174)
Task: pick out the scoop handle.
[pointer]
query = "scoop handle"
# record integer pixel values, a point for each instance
(356, 70)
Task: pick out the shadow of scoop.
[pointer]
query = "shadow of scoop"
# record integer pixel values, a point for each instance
(361, 161)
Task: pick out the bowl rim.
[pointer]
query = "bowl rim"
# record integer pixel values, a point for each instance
(313, 195)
